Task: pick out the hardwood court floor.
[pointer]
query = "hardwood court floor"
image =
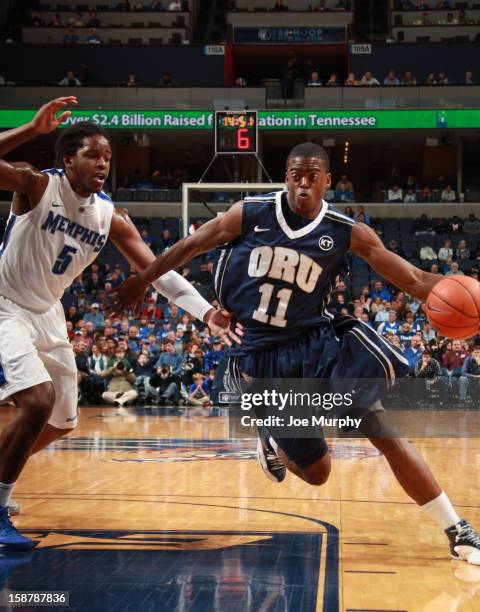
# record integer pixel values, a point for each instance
(149, 512)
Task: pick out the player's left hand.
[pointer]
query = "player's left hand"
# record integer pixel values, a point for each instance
(47, 119)
(220, 324)
(130, 294)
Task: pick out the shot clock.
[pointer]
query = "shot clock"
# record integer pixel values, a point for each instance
(236, 132)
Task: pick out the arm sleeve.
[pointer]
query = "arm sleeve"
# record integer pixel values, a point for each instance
(179, 291)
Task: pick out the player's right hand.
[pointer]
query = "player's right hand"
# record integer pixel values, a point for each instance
(130, 294)
(46, 119)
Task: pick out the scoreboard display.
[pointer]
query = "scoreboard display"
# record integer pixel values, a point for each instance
(236, 132)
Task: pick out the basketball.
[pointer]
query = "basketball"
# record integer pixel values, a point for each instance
(453, 307)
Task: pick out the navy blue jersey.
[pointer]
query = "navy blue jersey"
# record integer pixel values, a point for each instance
(278, 280)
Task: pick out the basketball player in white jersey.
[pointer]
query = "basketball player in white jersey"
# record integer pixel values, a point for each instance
(60, 219)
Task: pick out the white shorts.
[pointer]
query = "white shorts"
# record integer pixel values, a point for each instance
(34, 349)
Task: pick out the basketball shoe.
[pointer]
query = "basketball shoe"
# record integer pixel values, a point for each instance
(10, 537)
(464, 542)
(270, 462)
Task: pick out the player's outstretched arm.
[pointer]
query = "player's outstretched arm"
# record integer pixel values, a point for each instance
(211, 235)
(23, 177)
(366, 244)
(174, 287)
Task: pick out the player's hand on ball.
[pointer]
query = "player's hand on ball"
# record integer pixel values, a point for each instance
(220, 324)
(46, 119)
(130, 294)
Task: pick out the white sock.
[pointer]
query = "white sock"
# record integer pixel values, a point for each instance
(5, 493)
(441, 511)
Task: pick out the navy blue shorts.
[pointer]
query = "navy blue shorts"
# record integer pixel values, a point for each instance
(346, 352)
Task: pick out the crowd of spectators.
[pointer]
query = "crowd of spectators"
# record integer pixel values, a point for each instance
(313, 79)
(412, 192)
(321, 6)
(452, 365)
(162, 357)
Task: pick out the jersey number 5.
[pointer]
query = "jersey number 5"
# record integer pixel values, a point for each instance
(283, 297)
(64, 259)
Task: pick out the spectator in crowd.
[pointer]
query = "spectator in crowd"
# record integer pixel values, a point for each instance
(361, 212)
(342, 195)
(156, 6)
(147, 239)
(447, 266)
(409, 79)
(123, 5)
(120, 380)
(454, 269)
(453, 359)
(93, 38)
(428, 368)
(391, 325)
(70, 80)
(175, 316)
(426, 195)
(95, 316)
(406, 334)
(448, 194)
(332, 81)
(471, 225)
(197, 396)
(321, 7)
(143, 373)
(97, 362)
(279, 6)
(410, 197)
(167, 385)
(380, 291)
(314, 80)
(37, 22)
(396, 248)
(410, 183)
(446, 251)
(71, 38)
(131, 80)
(431, 80)
(166, 240)
(395, 194)
(391, 79)
(351, 81)
(93, 20)
(240, 81)
(77, 21)
(414, 352)
(423, 226)
(462, 251)
(348, 210)
(344, 180)
(56, 21)
(167, 80)
(427, 253)
(468, 78)
(442, 78)
(171, 359)
(213, 357)
(428, 333)
(470, 373)
(139, 6)
(369, 79)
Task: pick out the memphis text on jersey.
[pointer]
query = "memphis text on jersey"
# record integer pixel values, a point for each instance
(58, 223)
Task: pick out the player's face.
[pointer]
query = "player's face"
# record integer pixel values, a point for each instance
(307, 180)
(90, 166)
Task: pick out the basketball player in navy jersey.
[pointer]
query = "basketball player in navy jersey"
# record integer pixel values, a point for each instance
(281, 254)
(60, 219)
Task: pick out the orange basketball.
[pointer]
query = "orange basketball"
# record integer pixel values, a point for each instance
(453, 307)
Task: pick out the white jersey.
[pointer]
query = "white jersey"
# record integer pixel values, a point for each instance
(45, 249)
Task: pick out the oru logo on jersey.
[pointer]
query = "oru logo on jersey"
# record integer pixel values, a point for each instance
(284, 264)
(58, 223)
